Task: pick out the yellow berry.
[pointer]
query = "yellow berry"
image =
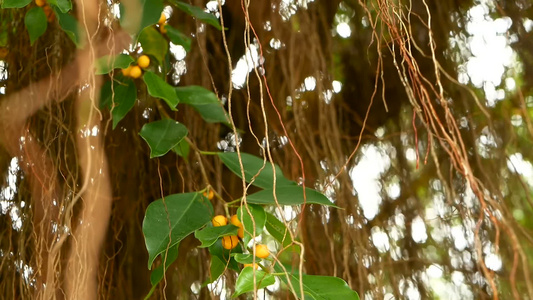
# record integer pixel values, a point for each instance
(261, 251)
(135, 72)
(162, 28)
(162, 19)
(230, 242)
(49, 12)
(210, 195)
(40, 3)
(254, 265)
(126, 72)
(219, 220)
(235, 221)
(143, 61)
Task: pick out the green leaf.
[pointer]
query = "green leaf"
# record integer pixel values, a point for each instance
(69, 24)
(289, 195)
(157, 273)
(210, 234)
(212, 113)
(225, 255)
(36, 23)
(194, 94)
(186, 212)
(216, 268)
(182, 149)
(320, 287)
(153, 43)
(278, 230)
(15, 3)
(204, 102)
(148, 11)
(258, 216)
(252, 164)
(158, 88)
(245, 281)
(163, 135)
(244, 258)
(107, 63)
(124, 99)
(63, 5)
(199, 14)
(178, 38)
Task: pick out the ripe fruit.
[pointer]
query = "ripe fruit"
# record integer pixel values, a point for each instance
(162, 28)
(49, 12)
(135, 72)
(219, 220)
(254, 265)
(162, 19)
(229, 242)
(40, 3)
(210, 195)
(235, 221)
(261, 251)
(126, 72)
(143, 61)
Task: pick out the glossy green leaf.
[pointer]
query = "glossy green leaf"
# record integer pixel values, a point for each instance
(320, 287)
(15, 3)
(289, 195)
(204, 102)
(209, 235)
(199, 14)
(225, 255)
(153, 43)
(216, 268)
(148, 11)
(178, 38)
(257, 218)
(245, 281)
(69, 24)
(163, 135)
(194, 94)
(157, 274)
(212, 113)
(244, 258)
(252, 164)
(187, 212)
(158, 88)
(278, 230)
(107, 63)
(36, 23)
(182, 149)
(63, 5)
(124, 100)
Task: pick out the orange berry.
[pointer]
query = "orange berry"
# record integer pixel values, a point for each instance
(261, 251)
(240, 232)
(219, 220)
(135, 72)
(229, 242)
(126, 72)
(235, 221)
(143, 61)
(210, 195)
(254, 265)
(162, 28)
(49, 12)
(162, 19)
(40, 3)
